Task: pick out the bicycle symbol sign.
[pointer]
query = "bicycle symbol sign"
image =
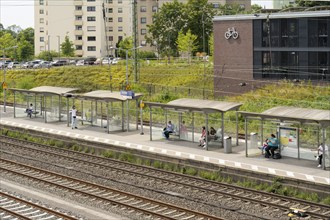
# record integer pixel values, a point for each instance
(231, 32)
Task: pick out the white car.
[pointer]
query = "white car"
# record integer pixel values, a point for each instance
(107, 61)
(13, 65)
(80, 63)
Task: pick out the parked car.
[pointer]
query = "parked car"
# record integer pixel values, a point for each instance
(42, 64)
(90, 60)
(14, 65)
(80, 63)
(115, 60)
(30, 64)
(59, 63)
(4, 64)
(107, 61)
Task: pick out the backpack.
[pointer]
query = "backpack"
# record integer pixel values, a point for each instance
(277, 156)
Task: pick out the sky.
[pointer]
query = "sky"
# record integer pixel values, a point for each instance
(18, 12)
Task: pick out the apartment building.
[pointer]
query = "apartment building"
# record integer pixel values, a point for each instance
(83, 22)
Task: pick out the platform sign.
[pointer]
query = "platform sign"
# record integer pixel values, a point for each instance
(127, 93)
(4, 85)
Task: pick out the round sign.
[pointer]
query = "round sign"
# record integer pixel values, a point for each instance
(4, 85)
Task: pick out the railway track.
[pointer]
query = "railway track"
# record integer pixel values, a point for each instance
(132, 203)
(160, 177)
(12, 207)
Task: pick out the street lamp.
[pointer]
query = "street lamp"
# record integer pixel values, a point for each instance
(126, 52)
(4, 76)
(59, 49)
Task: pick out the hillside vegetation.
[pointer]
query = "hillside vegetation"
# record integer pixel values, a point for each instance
(170, 81)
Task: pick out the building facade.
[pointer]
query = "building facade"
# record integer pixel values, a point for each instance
(275, 46)
(83, 22)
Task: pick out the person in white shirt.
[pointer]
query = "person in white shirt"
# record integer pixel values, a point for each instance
(320, 153)
(73, 112)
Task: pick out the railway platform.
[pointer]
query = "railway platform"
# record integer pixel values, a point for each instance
(306, 170)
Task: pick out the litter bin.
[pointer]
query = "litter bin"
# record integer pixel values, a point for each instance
(253, 140)
(227, 145)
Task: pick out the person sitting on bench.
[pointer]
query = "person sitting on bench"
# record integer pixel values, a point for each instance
(272, 145)
(213, 134)
(169, 129)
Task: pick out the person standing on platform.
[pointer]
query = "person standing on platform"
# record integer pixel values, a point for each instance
(320, 153)
(272, 145)
(30, 110)
(73, 112)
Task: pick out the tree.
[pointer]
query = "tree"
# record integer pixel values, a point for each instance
(25, 50)
(199, 15)
(309, 3)
(125, 44)
(7, 41)
(166, 25)
(47, 55)
(187, 43)
(67, 47)
(211, 44)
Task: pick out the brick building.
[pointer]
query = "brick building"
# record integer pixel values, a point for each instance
(250, 50)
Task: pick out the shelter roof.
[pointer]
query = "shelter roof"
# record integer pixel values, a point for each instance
(46, 90)
(206, 106)
(302, 115)
(105, 95)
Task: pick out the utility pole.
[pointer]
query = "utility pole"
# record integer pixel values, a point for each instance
(107, 45)
(270, 44)
(135, 40)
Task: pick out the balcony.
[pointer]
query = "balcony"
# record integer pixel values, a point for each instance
(78, 2)
(78, 42)
(79, 53)
(78, 22)
(77, 13)
(78, 32)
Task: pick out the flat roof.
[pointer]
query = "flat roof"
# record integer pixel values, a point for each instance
(46, 90)
(303, 115)
(278, 15)
(106, 95)
(200, 105)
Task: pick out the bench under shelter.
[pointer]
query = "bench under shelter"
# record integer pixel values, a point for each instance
(47, 102)
(107, 109)
(286, 122)
(195, 106)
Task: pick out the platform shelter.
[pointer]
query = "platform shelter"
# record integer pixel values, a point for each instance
(287, 122)
(107, 109)
(47, 102)
(195, 106)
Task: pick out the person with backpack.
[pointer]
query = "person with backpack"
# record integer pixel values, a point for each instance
(272, 145)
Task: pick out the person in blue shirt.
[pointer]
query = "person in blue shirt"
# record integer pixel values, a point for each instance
(272, 146)
(169, 129)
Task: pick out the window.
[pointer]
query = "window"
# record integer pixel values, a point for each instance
(110, 1)
(143, 31)
(216, 5)
(91, 38)
(120, 38)
(120, 28)
(78, 47)
(41, 30)
(91, 18)
(110, 38)
(42, 39)
(78, 27)
(143, 9)
(41, 2)
(78, 18)
(42, 48)
(41, 11)
(120, 10)
(90, 0)
(110, 10)
(78, 8)
(90, 8)
(91, 48)
(78, 37)
(143, 20)
(91, 28)
(143, 43)
(154, 8)
(120, 1)
(110, 19)
(41, 20)
(120, 19)
(110, 29)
